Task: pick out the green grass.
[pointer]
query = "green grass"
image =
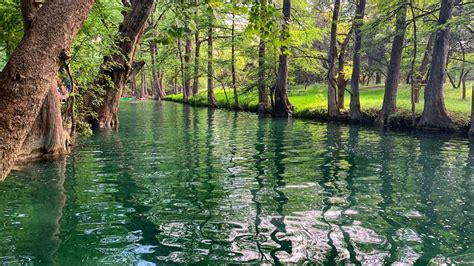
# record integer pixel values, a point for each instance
(313, 102)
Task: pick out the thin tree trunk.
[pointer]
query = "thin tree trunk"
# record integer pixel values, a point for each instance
(378, 77)
(463, 75)
(341, 77)
(143, 84)
(393, 76)
(434, 114)
(197, 51)
(158, 89)
(187, 67)
(262, 87)
(211, 99)
(333, 111)
(175, 80)
(181, 67)
(282, 104)
(25, 80)
(451, 80)
(464, 88)
(354, 112)
(422, 74)
(234, 85)
(131, 31)
(133, 86)
(412, 73)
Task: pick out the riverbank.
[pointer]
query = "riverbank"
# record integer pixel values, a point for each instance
(310, 103)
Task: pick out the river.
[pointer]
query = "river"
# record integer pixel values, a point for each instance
(177, 184)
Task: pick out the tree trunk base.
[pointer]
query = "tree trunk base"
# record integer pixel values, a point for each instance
(48, 137)
(436, 122)
(355, 115)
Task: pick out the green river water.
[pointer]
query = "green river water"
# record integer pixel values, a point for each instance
(177, 184)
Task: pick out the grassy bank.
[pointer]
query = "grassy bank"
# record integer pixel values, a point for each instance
(312, 103)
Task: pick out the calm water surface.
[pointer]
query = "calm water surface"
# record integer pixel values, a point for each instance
(185, 185)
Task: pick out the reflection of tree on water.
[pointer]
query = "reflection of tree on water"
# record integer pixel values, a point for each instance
(431, 163)
(351, 174)
(386, 191)
(330, 171)
(37, 220)
(467, 226)
(192, 160)
(208, 177)
(278, 137)
(260, 149)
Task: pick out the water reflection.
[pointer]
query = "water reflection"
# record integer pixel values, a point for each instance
(178, 184)
(31, 208)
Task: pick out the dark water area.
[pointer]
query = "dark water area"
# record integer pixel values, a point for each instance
(177, 184)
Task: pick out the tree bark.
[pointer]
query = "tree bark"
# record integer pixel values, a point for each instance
(211, 99)
(354, 111)
(333, 110)
(25, 80)
(282, 104)
(131, 31)
(434, 114)
(29, 8)
(47, 136)
(262, 87)
(393, 76)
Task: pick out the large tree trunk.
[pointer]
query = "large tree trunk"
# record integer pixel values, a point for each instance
(131, 31)
(354, 111)
(434, 112)
(282, 104)
(262, 87)
(393, 76)
(47, 136)
(333, 111)
(25, 80)
(211, 99)
(187, 67)
(234, 81)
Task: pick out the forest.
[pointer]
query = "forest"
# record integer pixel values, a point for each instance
(382, 62)
(70, 70)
